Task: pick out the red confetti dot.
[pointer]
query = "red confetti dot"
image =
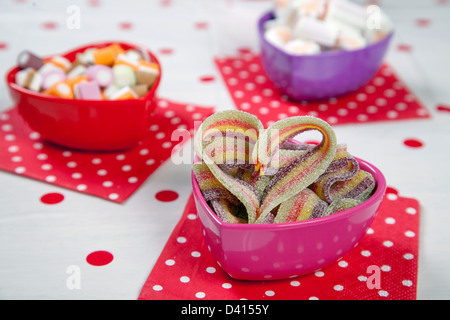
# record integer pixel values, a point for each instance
(49, 25)
(94, 3)
(244, 50)
(165, 3)
(166, 195)
(201, 25)
(52, 198)
(391, 190)
(404, 48)
(423, 22)
(413, 143)
(207, 78)
(99, 258)
(443, 107)
(125, 25)
(3, 45)
(165, 51)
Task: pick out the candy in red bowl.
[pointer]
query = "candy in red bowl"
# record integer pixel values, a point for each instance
(97, 97)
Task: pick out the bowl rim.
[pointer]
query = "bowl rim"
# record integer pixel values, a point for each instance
(381, 185)
(269, 15)
(101, 44)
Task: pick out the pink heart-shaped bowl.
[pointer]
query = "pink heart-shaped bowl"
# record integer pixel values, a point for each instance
(93, 125)
(284, 250)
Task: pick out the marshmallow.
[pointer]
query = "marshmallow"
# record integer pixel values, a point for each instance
(147, 73)
(302, 47)
(316, 30)
(348, 41)
(51, 77)
(124, 75)
(87, 91)
(123, 94)
(278, 35)
(27, 59)
(347, 12)
(102, 74)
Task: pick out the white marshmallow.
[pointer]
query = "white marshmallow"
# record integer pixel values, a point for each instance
(301, 47)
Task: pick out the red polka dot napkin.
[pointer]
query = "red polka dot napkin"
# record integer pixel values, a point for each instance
(382, 266)
(384, 98)
(113, 176)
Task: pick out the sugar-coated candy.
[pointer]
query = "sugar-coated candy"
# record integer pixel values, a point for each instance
(249, 174)
(229, 137)
(102, 74)
(87, 91)
(27, 59)
(341, 205)
(303, 206)
(300, 172)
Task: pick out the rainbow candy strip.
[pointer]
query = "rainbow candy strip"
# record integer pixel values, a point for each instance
(251, 175)
(343, 179)
(303, 206)
(229, 137)
(300, 172)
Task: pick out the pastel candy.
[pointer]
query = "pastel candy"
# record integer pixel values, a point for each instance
(303, 206)
(51, 77)
(61, 62)
(300, 172)
(27, 59)
(102, 74)
(124, 76)
(147, 73)
(123, 94)
(29, 79)
(61, 89)
(87, 91)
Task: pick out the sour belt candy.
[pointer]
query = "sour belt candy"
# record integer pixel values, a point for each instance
(251, 175)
